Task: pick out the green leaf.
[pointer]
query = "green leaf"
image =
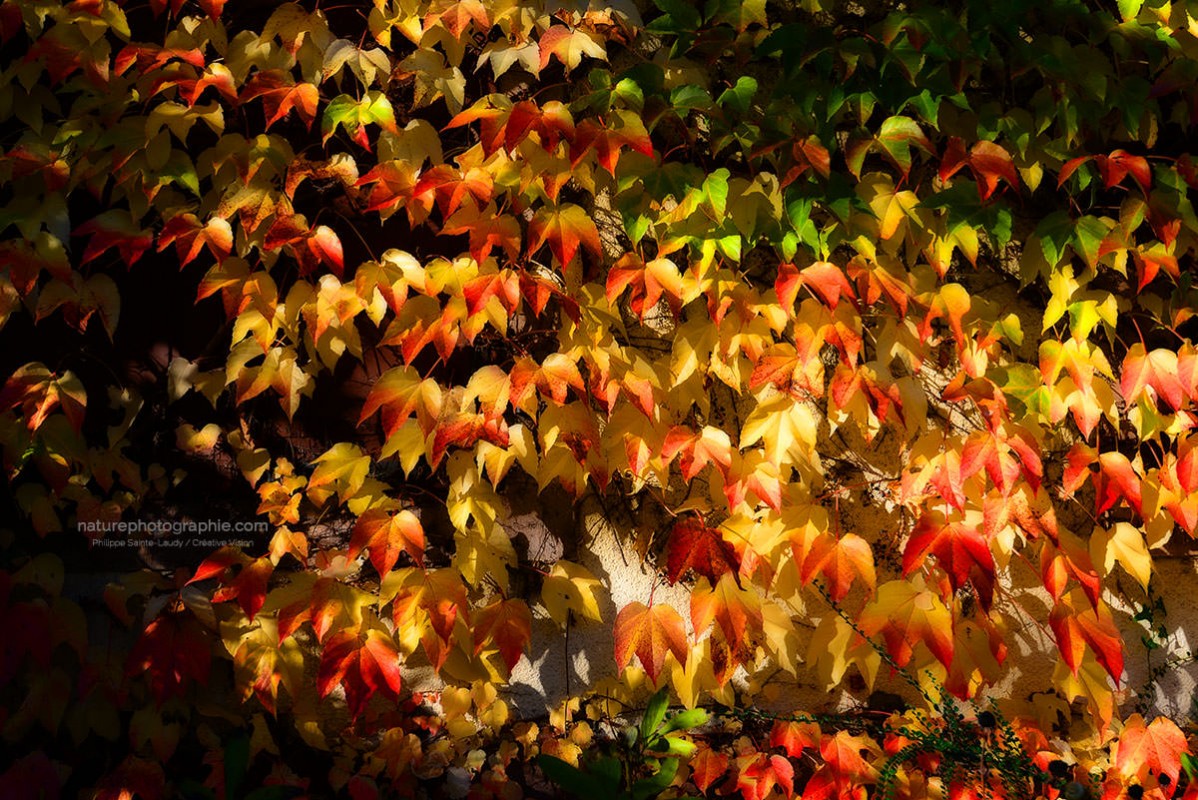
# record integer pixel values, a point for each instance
(655, 713)
(602, 780)
(690, 98)
(680, 17)
(715, 189)
(651, 786)
(1088, 236)
(1053, 233)
(569, 777)
(1129, 9)
(685, 720)
(630, 92)
(740, 96)
(897, 136)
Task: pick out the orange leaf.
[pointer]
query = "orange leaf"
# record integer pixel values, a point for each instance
(564, 228)
(907, 614)
(650, 633)
(507, 623)
(841, 560)
(707, 767)
(795, 737)
(759, 774)
(281, 95)
(1153, 748)
(736, 610)
(387, 534)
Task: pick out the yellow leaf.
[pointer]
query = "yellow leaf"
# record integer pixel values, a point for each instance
(190, 440)
(786, 428)
(570, 587)
(1123, 543)
(341, 470)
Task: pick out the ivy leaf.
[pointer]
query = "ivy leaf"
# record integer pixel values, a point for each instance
(1155, 748)
(353, 115)
(735, 609)
(841, 560)
(340, 470)
(907, 614)
(458, 15)
(570, 588)
(172, 652)
(988, 162)
(387, 534)
(281, 95)
(563, 228)
(430, 601)
(190, 237)
(795, 737)
(1156, 370)
(1077, 625)
(650, 633)
(115, 228)
(711, 446)
(364, 664)
(707, 766)
(507, 624)
(1124, 543)
(693, 545)
(961, 550)
(760, 773)
(569, 46)
(897, 136)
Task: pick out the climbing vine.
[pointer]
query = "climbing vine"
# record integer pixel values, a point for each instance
(831, 346)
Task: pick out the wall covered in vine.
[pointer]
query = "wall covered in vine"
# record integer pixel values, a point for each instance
(541, 398)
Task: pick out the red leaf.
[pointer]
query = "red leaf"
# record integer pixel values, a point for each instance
(841, 560)
(1115, 480)
(365, 666)
(190, 237)
(325, 245)
(172, 652)
(117, 229)
(607, 142)
(1070, 559)
(710, 446)
(551, 122)
(990, 163)
(795, 737)
(756, 779)
(961, 551)
(394, 182)
(1069, 168)
(1157, 370)
(486, 230)
(1077, 625)
(1119, 164)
